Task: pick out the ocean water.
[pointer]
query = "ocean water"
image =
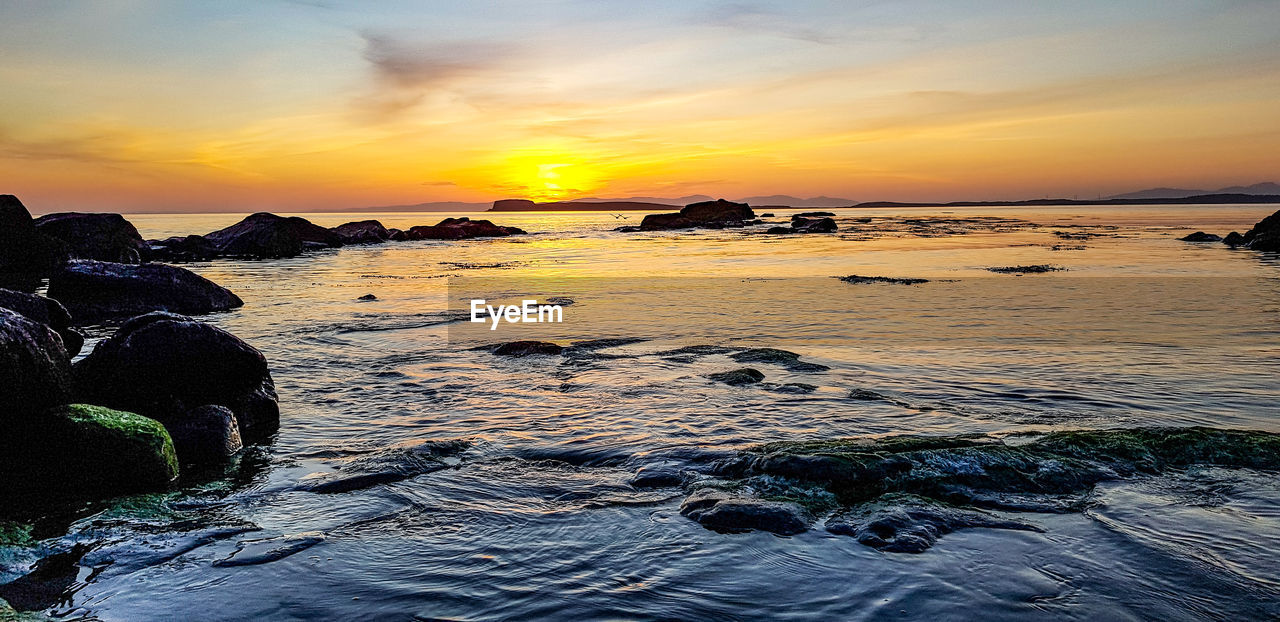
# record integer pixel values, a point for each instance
(530, 515)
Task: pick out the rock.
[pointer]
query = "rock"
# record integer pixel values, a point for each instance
(812, 215)
(815, 225)
(513, 205)
(362, 232)
(1201, 236)
(25, 254)
(87, 451)
(163, 366)
(1234, 239)
(206, 435)
(1264, 236)
(526, 348)
(46, 311)
(183, 248)
(861, 280)
(265, 235)
(51, 582)
(795, 388)
(353, 482)
(712, 214)
(396, 235)
(720, 511)
(738, 377)
(790, 360)
(779, 230)
(1036, 269)
(253, 552)
(767, 215)
(367, 298)
(102, 237)
(656, 477)
(35, 371)
(460, 229)
(901, 523)
(97, 290)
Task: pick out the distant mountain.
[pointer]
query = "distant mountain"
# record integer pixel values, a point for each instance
(790, 201)
(525, 205)
(436, 206)
(678, 201)
(1182, 193)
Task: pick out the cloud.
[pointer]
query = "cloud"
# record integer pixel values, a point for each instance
(405, 64)
(755, 19)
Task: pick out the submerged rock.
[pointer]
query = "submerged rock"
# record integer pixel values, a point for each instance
(46, 311)
(738, 377)
(460, 229)
(713, 214)
(862, 280)
(656, 477)
(527, 348)
(103, 237)
(1201, 236)
(253, 552)
(362, 232)
(367, 298)
(783, 358)
(163, 366)
(1034, 269)
(264, 235)
(183, 248)
(35, 370)
(206, 435)
(721, 511)
(901, 523)
(96, 290)
(51, 582)
(1264, 236)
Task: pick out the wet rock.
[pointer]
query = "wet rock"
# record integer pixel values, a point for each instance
(353, 482)
(25, 254)
(46, 311)
(812, 215)
(396, 235)
(723, 512)
(35, 371)
(1264, 236)
(367, 298)
(265, 235)
(600, 344)
(461, 229)
(862, 280)
(103, 237)
(527, 348)
(782, 358)
(901, 523)
(362, 232)
(253, 552)
(163, 366)
(1201, 236)
(813, 225)
(795, 388)
(1034, 269)
(656, 477)
(50, 583)
(1233, 239)
(86, 451)
(712, 214)
(96, 290)
(767, 215)
(183, 248)
(206, 435)
(738, 377)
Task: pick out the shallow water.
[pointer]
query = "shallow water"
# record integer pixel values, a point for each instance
(535, 519)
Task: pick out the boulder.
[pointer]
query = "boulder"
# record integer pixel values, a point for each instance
(362, 232)
(265, 235)
(164, 366)
(46, 311)
(183, 248)
(1233, 239)
(1201, 236)
(87, 451)
(96, 290)
(1264, 236)
(35, 371)
(396, 235)
(738, 377)
(206, 435)
(26, 255)
(103, 237)
(721, 511)
(904, 523)
(526, 348)
(461, 228)
(713, 214)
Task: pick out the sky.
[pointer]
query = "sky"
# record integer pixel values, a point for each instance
(162, 106)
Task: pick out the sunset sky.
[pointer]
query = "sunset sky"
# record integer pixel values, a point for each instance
(143, 105)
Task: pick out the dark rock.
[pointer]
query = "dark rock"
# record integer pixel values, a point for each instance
(206, 435)
(1234, 239)
(526, 348)
(513, 205)
(783, 358)
(1036, 269)
(859, 280)
(1201, 236)
(720, 511)
(900, 523)
(779, 230)
(712, 214)
(1264, 236)
(353, 482)
(95, 290)
(656, 477)
(163, 366)
(396, 235)
(102, 237)
(460, 229)
(812, 215)
(814, 225)
(45, 311)
(265, 235)
(767, 215)
(796, 388)
(367, 297)
(738, 377)
(253, 552)
(362, 232)
(35, 371)
(50, 583)
(183, 248)
(25, 254)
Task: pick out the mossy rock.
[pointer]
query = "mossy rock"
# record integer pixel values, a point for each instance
(87, 451)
